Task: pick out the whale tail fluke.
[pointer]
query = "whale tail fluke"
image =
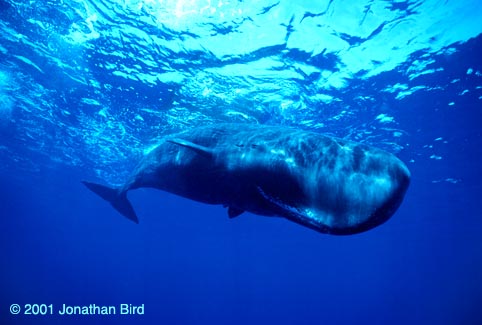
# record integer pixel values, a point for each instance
(118, 199)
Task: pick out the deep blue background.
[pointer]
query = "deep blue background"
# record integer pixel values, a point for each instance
(189, 264)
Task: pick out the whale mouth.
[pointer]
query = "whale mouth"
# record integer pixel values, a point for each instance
(378, 217)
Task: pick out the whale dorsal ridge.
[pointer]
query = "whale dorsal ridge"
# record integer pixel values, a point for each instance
(195, 147)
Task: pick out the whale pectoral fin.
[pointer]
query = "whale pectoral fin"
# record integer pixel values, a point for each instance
(195, 147)
(234, 212)
(118, 199)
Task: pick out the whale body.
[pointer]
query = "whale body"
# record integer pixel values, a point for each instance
(328, 184)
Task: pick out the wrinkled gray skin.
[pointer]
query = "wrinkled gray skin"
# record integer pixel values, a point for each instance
(327, 184)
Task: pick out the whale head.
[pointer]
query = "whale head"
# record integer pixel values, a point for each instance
(373, 194)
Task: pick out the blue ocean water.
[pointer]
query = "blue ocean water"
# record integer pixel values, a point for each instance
(88, 87)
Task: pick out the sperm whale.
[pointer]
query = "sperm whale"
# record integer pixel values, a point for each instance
(327, 184)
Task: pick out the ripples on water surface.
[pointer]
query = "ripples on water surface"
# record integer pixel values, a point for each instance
(95, 83)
